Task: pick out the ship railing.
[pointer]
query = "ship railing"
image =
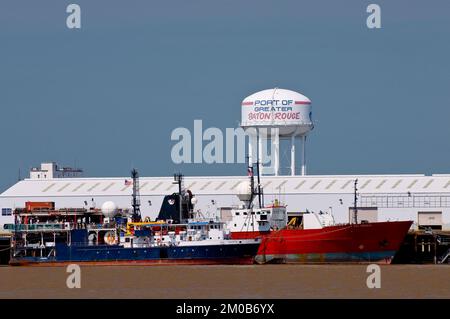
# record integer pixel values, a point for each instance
(99, 226)
(90, 244)
(36, 227)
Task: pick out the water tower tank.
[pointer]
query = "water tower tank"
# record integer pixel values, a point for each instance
(274, 114)
(287, 110)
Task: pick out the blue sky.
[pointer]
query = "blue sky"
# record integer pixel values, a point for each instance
(107, 97)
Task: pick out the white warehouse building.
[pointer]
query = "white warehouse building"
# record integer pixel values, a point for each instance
(423, 199)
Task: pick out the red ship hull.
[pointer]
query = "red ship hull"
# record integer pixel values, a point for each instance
(366, 243)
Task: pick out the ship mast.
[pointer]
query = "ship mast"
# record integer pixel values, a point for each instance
(355, 207)
(178, 179)
(136, 200)
(260, 194)
(258, 189)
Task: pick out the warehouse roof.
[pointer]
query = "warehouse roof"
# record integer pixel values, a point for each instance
(62, 187)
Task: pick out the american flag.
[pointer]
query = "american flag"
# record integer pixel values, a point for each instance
(128, 182)
(250, 171)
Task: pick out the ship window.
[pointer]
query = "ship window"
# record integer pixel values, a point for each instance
(258, 213)
(245, 224)
(127, 240)
(237, 214)
(253, 213)
(245, 213)
(235, 225)
(6, 211)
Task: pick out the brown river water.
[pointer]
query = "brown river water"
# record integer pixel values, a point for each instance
(255, 281)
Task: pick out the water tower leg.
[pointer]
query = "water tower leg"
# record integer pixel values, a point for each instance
(276, 151)
(293, 155)
(304, 155)
(250, 151)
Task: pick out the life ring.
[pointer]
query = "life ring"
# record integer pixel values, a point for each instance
(110, 238)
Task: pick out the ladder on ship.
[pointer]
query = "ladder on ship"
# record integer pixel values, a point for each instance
(445, 257)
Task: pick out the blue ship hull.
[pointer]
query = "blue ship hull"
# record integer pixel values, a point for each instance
(82, 252)
(85, 254)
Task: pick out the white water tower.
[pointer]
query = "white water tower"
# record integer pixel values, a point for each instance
(274, 114)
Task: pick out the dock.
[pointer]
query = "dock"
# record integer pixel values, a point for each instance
(5, 244)
(424, 247)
